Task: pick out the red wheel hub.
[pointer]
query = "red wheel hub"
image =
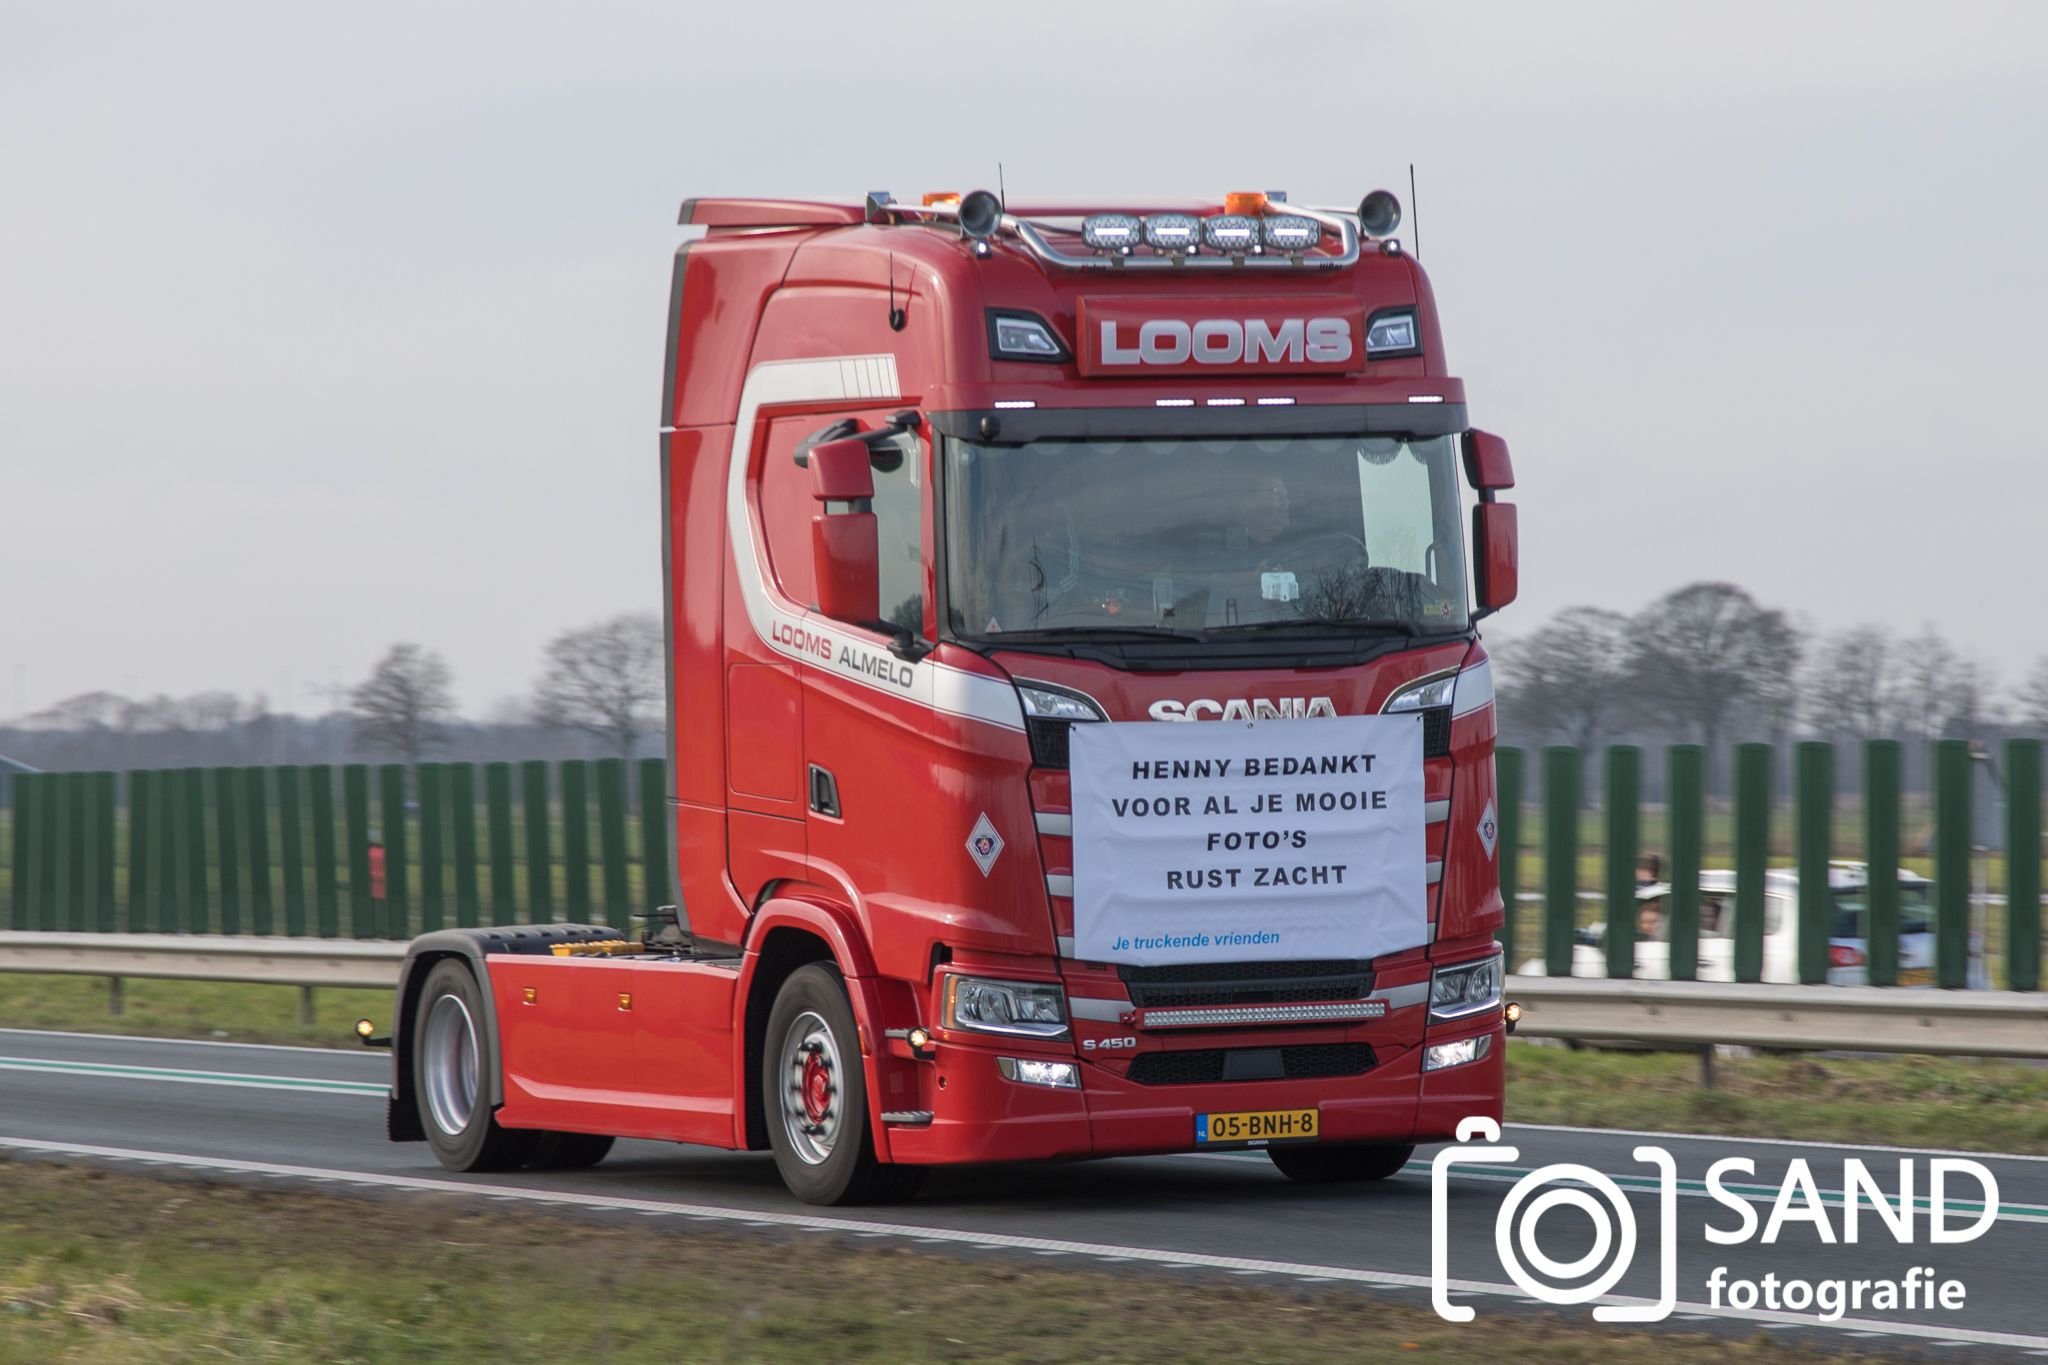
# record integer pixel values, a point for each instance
(817, 1086)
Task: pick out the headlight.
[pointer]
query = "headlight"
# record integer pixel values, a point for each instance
(1437, 1056)
(1464, 990)
(1045, 703)
(1393, 334)
(1423, 695)
(1030, 1009)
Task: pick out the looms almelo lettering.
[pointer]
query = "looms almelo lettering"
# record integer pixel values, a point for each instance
(1242, 708)
(1227, 341)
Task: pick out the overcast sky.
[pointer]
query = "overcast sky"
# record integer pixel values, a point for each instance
(327, 326)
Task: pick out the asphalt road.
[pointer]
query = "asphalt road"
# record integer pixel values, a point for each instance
(264, 1113)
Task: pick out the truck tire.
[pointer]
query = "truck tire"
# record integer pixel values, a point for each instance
(569, 1151)
(815, 1097)
(1319, 1165)
(453, 1058)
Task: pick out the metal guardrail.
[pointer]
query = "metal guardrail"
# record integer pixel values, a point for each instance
(1593, 1009)
(306, 962)
(1802, 1018)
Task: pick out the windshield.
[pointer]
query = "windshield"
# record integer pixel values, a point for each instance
(1209, 535)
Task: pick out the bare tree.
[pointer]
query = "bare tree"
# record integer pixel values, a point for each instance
(93, 712)
(1701, 653)
(1944, 692)
(1570, 677)
(606, 680)
(2031, 697)
(404, 705)
(1852, 690)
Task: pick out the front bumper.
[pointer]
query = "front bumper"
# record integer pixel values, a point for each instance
(978, 1116)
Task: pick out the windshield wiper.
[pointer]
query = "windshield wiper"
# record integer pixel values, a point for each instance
(1311, 625)
(1058, 633)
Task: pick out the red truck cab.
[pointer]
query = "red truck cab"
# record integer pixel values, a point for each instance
(942, 487)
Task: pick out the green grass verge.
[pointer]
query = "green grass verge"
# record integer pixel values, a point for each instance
(1946, 1102)
(96, 1266)
(188, 1009)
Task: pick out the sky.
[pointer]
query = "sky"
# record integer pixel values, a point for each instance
(324, 327)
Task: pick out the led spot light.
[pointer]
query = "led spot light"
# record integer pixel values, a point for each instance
(1173, 232)
(1111, 232)
(1292, 233)
(1231, 232)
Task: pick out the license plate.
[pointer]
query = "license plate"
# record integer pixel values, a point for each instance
(1258, 1129)
(1916, 976)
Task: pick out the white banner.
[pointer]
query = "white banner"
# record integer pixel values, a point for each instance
(1246, 841)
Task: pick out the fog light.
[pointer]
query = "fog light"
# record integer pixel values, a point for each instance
(1031, 1071)
(1465, 1050)
(918, 1039)
(365, 1029)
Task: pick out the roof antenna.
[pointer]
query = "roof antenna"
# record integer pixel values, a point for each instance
(1002, 195)
(896, 315)
(1414, 211)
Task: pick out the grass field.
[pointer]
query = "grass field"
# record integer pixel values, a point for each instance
(101, 1267)
(1985, 1105)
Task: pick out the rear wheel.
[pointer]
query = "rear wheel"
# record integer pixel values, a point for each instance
(569, 1151)
(1320, 1165)
(814, 1093)
(453, 1055)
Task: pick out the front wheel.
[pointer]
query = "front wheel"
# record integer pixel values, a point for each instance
(1319, 1165)
(814, 1095)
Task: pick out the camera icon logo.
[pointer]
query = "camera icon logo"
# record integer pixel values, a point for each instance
(1563, 1184)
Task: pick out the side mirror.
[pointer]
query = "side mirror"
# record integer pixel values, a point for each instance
(1496, 554)
(1487, 466)
(845, 548)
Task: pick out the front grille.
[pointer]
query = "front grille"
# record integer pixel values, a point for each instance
(1048, 742)
(1436, 732)
(1207, 1066)
(1246, 983)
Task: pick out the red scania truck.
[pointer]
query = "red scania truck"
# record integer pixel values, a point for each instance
(1080, 738)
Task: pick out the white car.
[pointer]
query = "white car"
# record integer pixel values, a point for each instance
(1848, 935)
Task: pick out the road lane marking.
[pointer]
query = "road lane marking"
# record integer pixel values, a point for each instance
(1755, 1194)
(982, 1240)
(1636, 1183)
(1775, 1142)
(107, 1071)
(360, 1052)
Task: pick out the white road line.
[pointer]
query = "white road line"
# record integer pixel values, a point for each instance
(359, 1052)
(988, 1241)
(295, 1085)
(1777, 1142)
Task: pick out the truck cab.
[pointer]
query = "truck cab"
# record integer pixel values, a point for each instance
(953, 494)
